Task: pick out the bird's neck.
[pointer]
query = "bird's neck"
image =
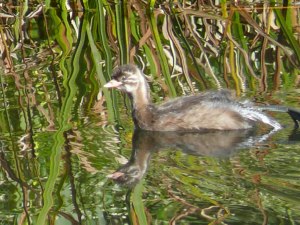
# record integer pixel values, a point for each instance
(141, 96)
(142, 107)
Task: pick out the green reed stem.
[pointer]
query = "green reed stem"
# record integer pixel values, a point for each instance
(285, 25)
(138, 205)
(161, 55)
(107, 55)
(98, 62)
(134, 27)
(59, 138)
(122, 31)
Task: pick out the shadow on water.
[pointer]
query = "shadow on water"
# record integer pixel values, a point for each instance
(209, 143)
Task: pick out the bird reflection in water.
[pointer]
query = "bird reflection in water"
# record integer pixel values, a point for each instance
(209, 143)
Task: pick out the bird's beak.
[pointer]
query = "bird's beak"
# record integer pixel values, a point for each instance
(113, 84)
(115, 175)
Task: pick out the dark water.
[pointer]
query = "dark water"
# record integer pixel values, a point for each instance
(63, 137)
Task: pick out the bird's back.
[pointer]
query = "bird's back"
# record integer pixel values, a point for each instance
(206, 111)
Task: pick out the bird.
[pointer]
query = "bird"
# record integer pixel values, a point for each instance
(208, 110)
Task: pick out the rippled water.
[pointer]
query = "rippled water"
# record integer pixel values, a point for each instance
(68, 150)
(189, 179)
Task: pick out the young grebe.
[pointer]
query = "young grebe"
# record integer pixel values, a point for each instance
(212, 110)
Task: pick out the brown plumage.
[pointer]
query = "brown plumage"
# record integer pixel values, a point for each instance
(212, 110)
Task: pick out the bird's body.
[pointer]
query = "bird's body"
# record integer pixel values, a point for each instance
(209, 111)
(212, 110)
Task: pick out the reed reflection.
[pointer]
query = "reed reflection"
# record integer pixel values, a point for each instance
(212, 143)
